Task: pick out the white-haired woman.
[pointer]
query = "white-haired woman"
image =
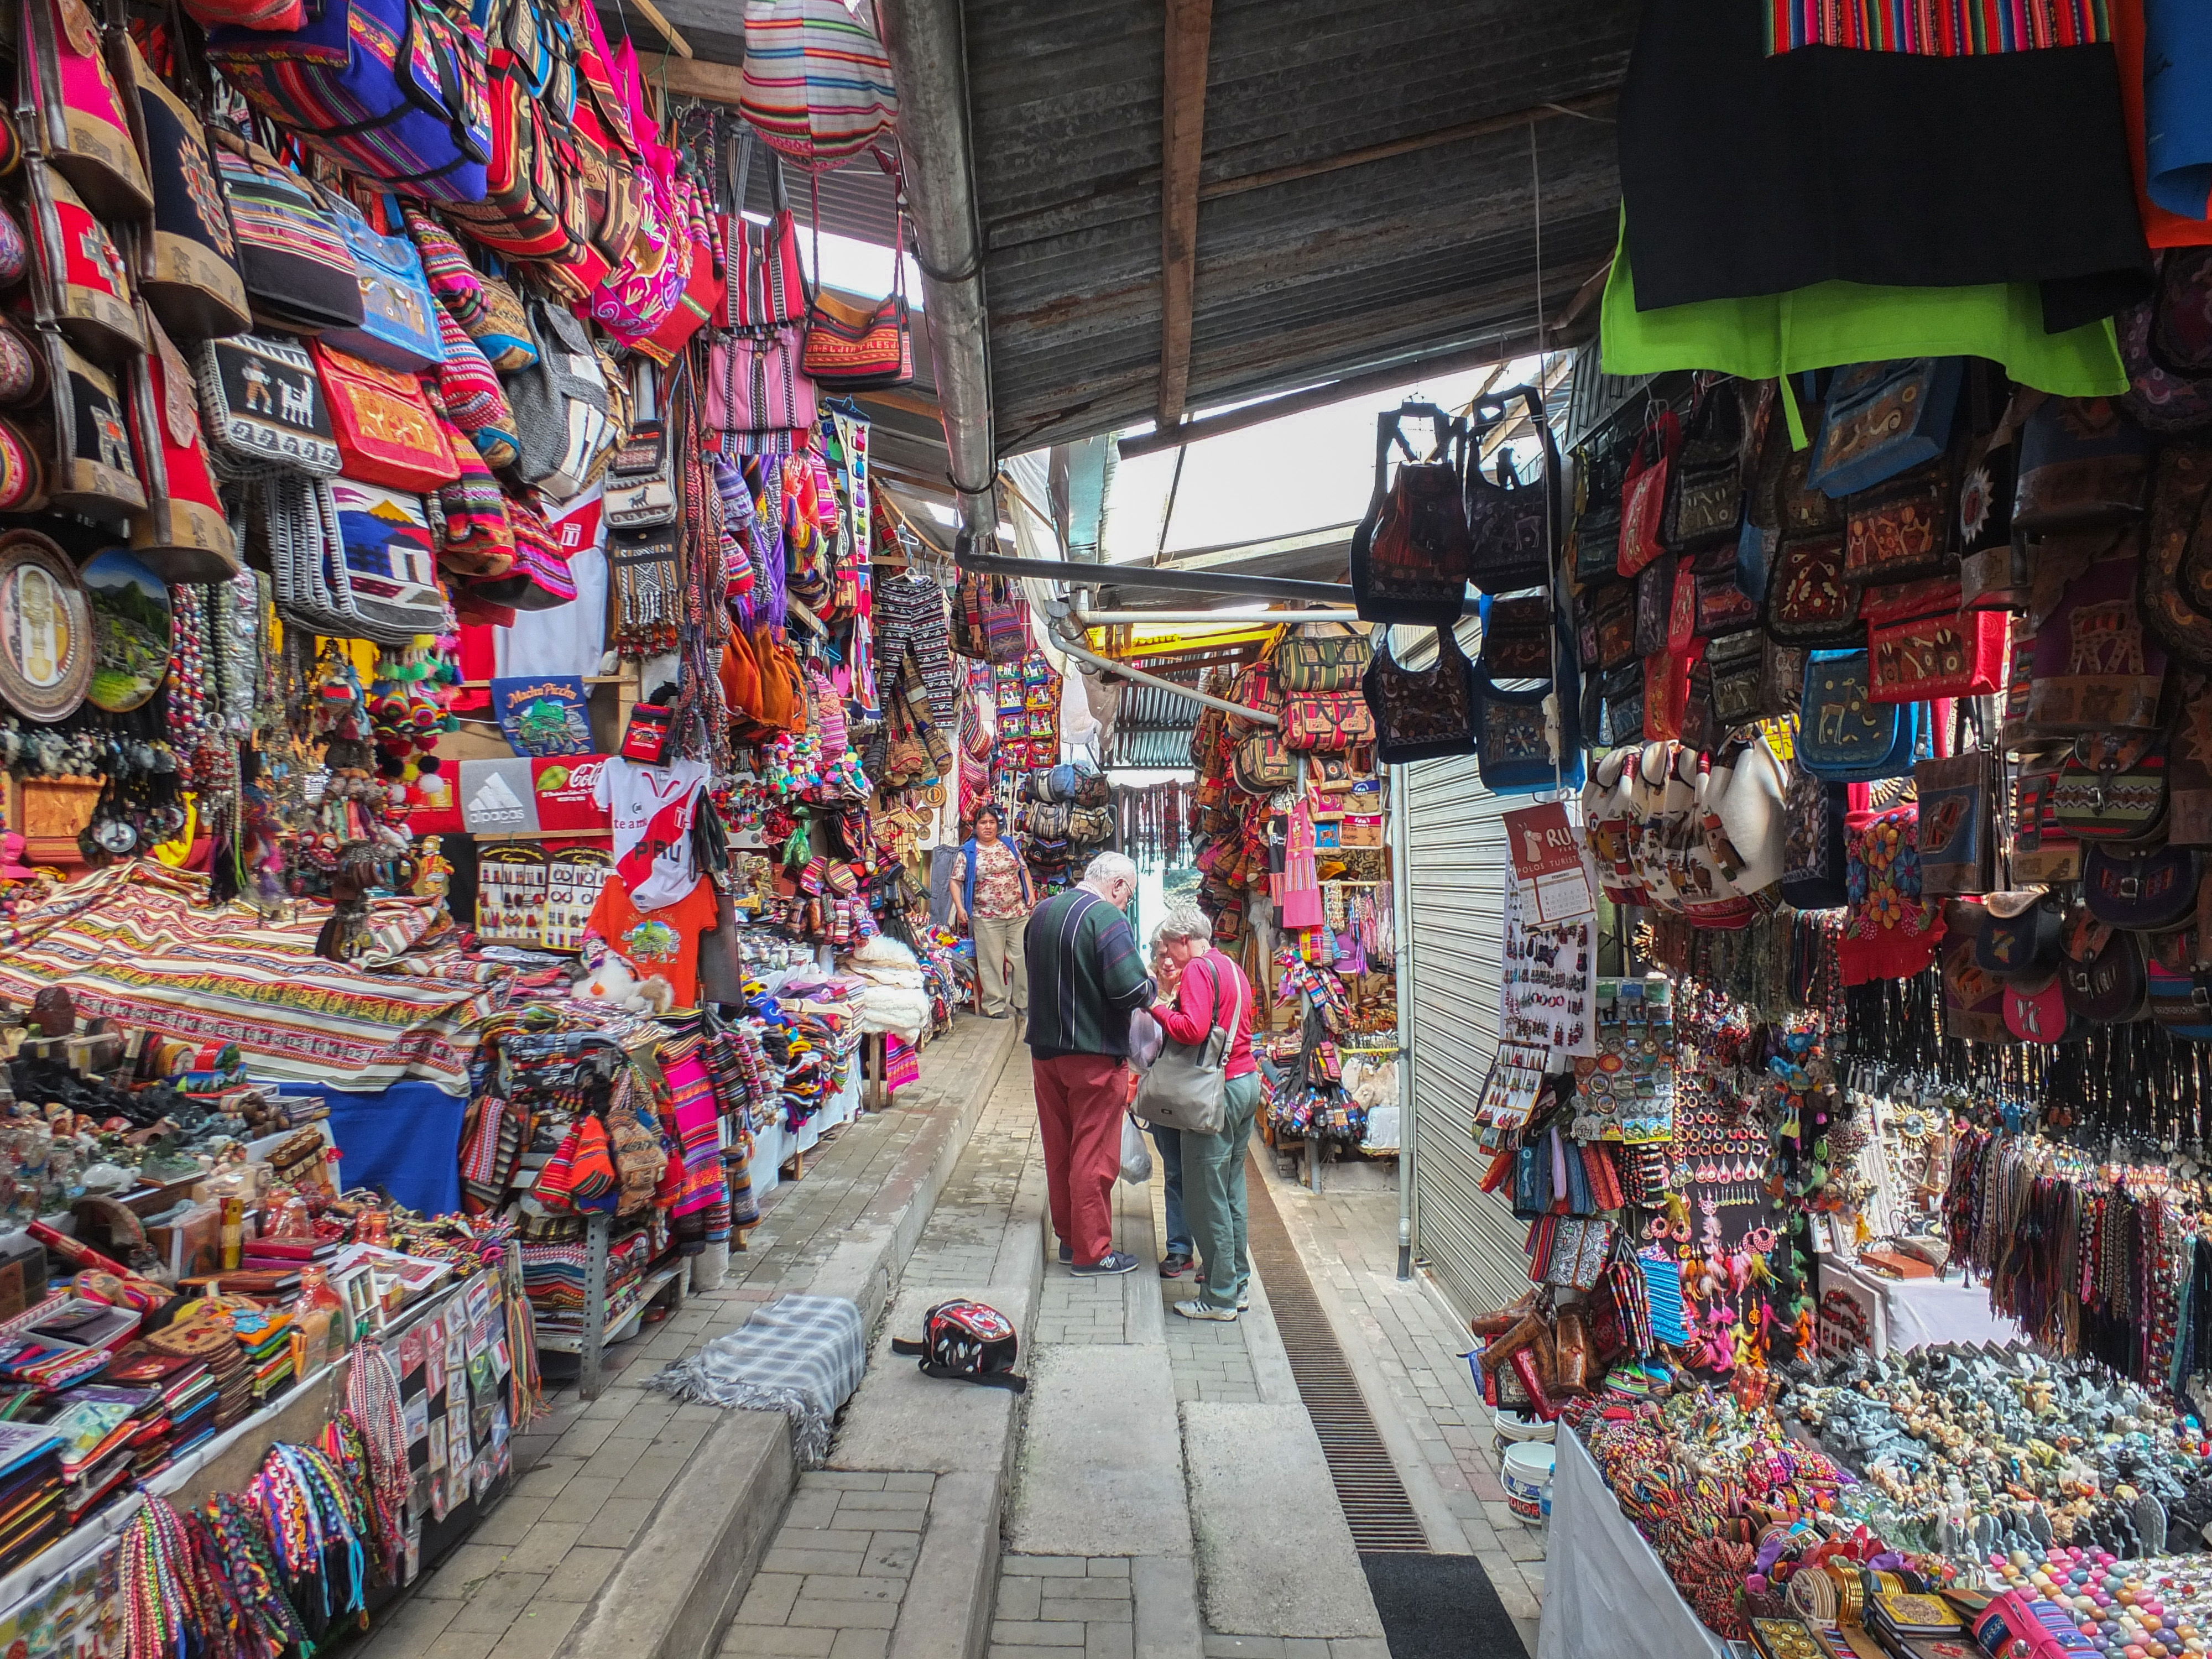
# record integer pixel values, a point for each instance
(1211, 991)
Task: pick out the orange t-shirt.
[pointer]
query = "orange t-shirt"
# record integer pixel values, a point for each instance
(664, 941)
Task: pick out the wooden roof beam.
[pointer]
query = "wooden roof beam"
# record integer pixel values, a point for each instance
(1182, 145)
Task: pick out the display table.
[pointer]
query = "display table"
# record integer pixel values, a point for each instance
(1916, 1313)
(1606, 1594)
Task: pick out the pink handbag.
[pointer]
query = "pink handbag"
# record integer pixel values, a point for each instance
(636, 296)
(756, 393)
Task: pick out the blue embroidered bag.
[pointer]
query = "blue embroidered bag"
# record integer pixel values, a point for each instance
(398, 315)
(1843, 736)
(1883, 419)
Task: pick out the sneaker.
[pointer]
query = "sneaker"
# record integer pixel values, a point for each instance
(1114, 1261)
(1199, 1308)
(1176, 1265)
(1066, 1254)
(1244, 1302)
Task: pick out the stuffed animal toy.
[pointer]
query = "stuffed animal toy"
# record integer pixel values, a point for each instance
(614, 984)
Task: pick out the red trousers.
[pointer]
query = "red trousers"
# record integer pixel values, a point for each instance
(1079, 1103)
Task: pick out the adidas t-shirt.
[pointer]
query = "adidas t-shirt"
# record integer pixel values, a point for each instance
(652, 807)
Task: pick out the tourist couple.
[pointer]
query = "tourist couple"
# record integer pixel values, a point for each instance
(1086, 978)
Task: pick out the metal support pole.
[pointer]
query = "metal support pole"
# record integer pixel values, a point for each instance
(1399, 809)
(1108, 666)
(1082, 574)
(598, 1231)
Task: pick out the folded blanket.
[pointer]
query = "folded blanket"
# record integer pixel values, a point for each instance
(800, 1355)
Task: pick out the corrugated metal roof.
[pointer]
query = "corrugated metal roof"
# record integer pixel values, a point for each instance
(1297, 280)
(1152, 728)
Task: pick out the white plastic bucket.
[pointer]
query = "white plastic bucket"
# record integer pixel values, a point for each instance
(1526, 1477)
(1513, 1428)
(709, 1266)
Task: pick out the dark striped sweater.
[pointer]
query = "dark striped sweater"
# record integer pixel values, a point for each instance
(1086, 977)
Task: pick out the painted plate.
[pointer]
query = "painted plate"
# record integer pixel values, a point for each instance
(130, 631)
(46, 630)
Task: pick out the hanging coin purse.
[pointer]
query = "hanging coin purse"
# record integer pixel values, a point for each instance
(399, 317)
(645, 740)
(2020, 938)
(1902, 529)
(182, 535)
(1808, 600)
(81, 286)
(1944, 652)
(187, 261)
(2148, 893)
(93, 471)
(2103, 973)
(385, 431)
(75, 111)
(640, 492)
(1843, 735)
(2113, 787)
(1644, 495)
(262, 407)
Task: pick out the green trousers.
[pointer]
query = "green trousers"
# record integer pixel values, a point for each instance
(1213, 1194)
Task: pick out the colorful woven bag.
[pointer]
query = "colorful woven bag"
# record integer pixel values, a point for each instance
(818, 87)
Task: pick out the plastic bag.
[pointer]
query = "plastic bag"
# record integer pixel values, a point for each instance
(1136, 1153)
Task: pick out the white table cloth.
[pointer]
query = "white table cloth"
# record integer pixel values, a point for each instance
(1606, 1594)
(1919, 1313)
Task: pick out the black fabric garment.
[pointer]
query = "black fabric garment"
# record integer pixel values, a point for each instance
(1745, 174)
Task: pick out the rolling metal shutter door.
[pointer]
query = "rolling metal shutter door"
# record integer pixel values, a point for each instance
(1458, 881)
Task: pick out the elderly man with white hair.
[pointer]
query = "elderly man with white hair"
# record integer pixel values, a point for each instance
(1211, 991)
(1086, 977)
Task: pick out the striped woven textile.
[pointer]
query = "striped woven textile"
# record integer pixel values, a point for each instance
(132, 943)
(1935, 28)
(816, 85)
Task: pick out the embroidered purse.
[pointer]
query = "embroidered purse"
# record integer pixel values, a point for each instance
(1843, 735)
(1973, 998)
(1600, 477)
(264, 407)
(77, 116)
(2178, 984)
(2103, 973)
(1723, 608)
(1992, 573)
(1421, 714)
(767, 284)
(1954, 793)
(1322, 657)
(857, 348)
(183, 535)
(1334, 720)
(758, 398)
(474, 400)
(1901, 529)
(1883, 419)
(187, 261)
(1948, 653)
(399, 317)
(1666, 694)
(2093, 669)
(1411, 552)
(1705, 485)
(2043, 849)
(1614, 617)
(640, 492)
(1643, 494)
(2081, 464)
(1512, 524)
(2145, 892)
(2113, 787)
(299, 275)
(1890, 929)
(1782, 679)
(1264, 765)
(2036, 1011)
(1808, 602)
(1654, 604)
(2022, 935)
(82, 286)
(1517, 637)
(1512, 741)
(1738, 666)
(391, 557)
(94, 470)
(385, 432)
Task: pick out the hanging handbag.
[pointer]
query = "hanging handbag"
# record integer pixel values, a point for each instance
(758, 399)
(1614, 614)
(1623, 703)
(1513, 525)
(2023, 934)
(75, 116)
(472, 398)
(816, 85)
(385, 431)
(852, 347)
(1644, 492)
(93, 470)
(1666, 677)
(390, 556)
(1421, 713)
(1944, 652)
(2178, 976)
(1724, 607)
(395, 90)
(2094, 669)
(1992, 573)
(2165, 345)
(1737, 664)
(2113, 787)
(533, 205)
(1330, 720)
(264, 406)
(1884, 419)
(187, 261)
(706, 291)
(182, 535)
(1843, 735)
(1705, 485)
(1512, 739)
(2082, 464)
(2103, 973)
(2144, 892)
(1973, 998)
(1809, 601)
(1516, 637)
(641, 492)
(2036, 1010)
(562, 411)
(767, 284)
(1600, 475)
(299, 275)
(1322, 657)
(2043, 849)
(1901, 529)
(1263, 764)
(1410, 553)
(2180, 613)
(1654, 604)
(1954, 823)
(540, 579)
(1185, 1088)
(81, 285)
(399, 317)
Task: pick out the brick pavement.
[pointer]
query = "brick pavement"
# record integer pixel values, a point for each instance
(1406, 1341)
(591, 1473)
(833, 1579)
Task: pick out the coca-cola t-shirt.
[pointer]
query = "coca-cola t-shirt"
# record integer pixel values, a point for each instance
(652, 807)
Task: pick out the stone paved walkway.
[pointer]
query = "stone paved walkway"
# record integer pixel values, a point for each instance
(592, 1473)
(1404, 1342)
(831, 1584)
